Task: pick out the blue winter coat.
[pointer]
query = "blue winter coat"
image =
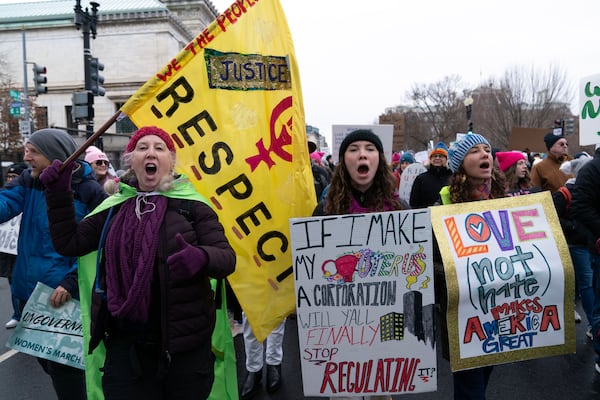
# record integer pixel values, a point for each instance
(37, 261)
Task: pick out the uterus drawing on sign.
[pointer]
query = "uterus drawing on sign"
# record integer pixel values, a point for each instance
(343, 269)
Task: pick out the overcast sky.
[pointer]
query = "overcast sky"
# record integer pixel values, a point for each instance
(356, 58)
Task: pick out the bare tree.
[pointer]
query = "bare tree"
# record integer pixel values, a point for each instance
(11, 142)
(522, 97)
(439, 112)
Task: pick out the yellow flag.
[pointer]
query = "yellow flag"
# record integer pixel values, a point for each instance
(232, 102)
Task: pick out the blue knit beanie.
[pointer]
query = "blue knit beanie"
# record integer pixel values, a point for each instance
(407, 157)
(459, 150)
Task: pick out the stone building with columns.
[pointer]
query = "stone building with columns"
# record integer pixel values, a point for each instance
(134, 39)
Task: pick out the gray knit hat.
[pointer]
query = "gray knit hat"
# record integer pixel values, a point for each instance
(459, 150)
(54, 144)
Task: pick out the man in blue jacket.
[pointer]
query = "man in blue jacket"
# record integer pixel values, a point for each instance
(37, 261)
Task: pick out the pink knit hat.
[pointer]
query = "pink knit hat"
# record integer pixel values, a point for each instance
(150, 130)
(317, 156)
(506, 159)
(93, 154)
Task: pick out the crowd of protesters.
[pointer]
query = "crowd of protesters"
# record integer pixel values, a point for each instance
(574, 182)
(464, 171)
(517, 173)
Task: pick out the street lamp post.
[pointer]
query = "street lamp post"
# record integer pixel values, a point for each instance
(87, 21)
(468, 105)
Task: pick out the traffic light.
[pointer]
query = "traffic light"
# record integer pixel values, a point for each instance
(559, 127)
(97, 80)
(83, 106)
(39, 78)
(569, 126)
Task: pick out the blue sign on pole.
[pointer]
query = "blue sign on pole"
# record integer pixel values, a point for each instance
(16, 104)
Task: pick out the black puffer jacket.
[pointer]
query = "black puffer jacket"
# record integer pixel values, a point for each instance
(182, 311)
(585, 206)
(426, 188)
(576, 234)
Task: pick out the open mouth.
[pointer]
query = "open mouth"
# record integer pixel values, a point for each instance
(151, 169)
(363, 169)
(484, 165)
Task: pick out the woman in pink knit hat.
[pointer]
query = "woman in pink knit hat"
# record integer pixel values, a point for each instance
(514, 166)
(153, 307)
(99, 163)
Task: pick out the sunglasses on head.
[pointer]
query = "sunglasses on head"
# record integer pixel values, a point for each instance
(101, 162)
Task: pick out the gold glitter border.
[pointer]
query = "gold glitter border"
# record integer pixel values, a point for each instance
(438, 213)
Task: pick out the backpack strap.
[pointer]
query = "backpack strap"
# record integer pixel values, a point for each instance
(99, 254)
(567, 193)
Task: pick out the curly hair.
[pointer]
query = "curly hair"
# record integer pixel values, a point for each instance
(461, 189)
(339, 194)
(513, 182)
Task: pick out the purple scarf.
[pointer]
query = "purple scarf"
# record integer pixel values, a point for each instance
(130, 254)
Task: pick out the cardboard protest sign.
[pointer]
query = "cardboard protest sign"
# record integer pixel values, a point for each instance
(589, 110)
(9, 235)
(365, 303)
(407, 178)
(385, 133)
(510, 280)
(47, 332)
(527, 138)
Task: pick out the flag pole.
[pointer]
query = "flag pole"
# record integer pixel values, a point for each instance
(90, 140)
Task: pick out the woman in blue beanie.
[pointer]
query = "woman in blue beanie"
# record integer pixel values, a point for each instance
(473, 178)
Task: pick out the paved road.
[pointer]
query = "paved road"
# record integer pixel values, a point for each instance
(553, 378)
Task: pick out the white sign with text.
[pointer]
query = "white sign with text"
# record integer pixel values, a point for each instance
(365, 303)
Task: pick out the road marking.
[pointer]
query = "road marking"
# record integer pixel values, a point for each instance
(7, 355)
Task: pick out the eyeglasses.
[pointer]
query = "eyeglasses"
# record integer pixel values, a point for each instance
(99, 163)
